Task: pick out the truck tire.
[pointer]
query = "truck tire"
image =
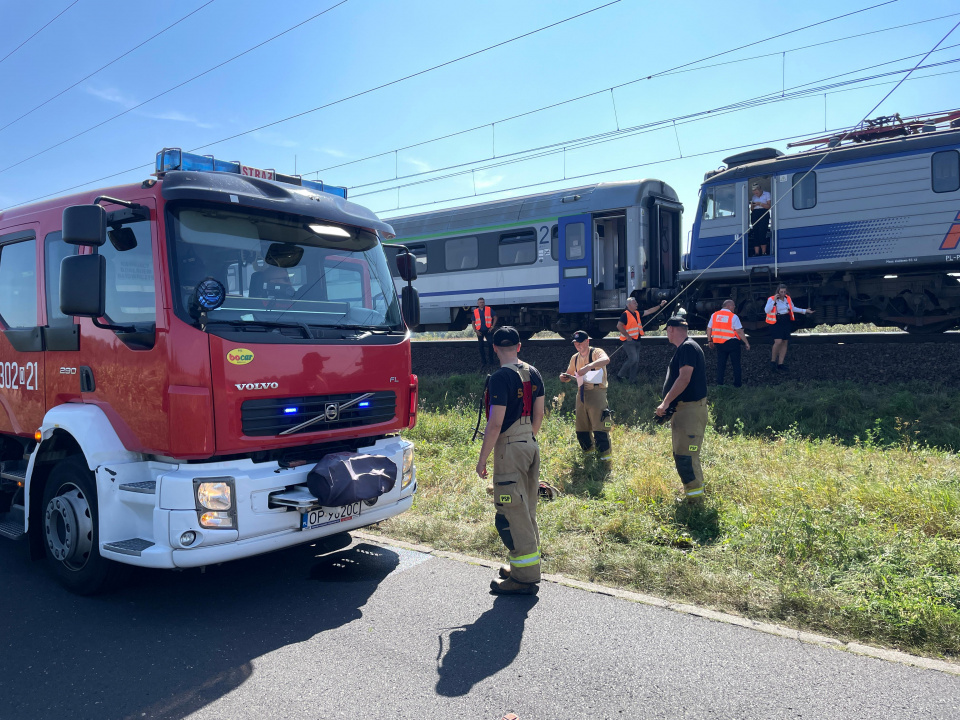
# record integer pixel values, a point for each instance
(69, 526)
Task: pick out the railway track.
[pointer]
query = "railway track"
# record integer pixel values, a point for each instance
(860, 358)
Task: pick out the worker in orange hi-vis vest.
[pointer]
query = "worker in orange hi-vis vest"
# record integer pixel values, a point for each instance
(484, 323)
(631, 330)
(780, 313)
(725, 333)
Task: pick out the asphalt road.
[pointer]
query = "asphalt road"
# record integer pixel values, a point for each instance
(380, 632)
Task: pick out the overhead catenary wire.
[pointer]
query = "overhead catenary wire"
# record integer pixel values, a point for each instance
(312, 110)
(48, 23)
(824, 155)
(175, 87)
(104, 67)
(676, 70)
(614, 135)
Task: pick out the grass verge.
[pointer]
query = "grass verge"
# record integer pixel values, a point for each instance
(828, 508)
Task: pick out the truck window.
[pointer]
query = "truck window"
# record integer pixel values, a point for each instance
(131, 297)
(54, 251)
(18, 284)
(282, 269)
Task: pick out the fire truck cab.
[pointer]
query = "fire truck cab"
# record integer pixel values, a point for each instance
(178, 355)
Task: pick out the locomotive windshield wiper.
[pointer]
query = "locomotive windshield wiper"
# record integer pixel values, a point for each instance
(262, 324)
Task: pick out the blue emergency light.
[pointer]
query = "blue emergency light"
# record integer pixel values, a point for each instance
(290, 410)
(365, 403)
(175, 159)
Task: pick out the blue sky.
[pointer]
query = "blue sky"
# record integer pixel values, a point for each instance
(361, 44)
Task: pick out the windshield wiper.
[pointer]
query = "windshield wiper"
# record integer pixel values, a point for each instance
(371, 328)
(265, 324)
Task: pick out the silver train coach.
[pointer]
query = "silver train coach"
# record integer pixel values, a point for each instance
(556, 261)
(867, 230)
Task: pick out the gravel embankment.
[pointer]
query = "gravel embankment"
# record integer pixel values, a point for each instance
(874, 363)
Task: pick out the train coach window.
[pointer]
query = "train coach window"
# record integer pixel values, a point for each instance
(518, 248)
(461, 253)
(945, 171)
(18, 284)
(804, 190)
(555, 243)
(719, 202)
(420, 253)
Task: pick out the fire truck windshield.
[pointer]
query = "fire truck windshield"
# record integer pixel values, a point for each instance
(281, 270)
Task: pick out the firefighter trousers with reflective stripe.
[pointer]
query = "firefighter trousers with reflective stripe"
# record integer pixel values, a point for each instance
(516, 482)
(688, 425)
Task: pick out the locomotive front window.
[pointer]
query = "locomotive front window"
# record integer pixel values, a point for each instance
(281, 270)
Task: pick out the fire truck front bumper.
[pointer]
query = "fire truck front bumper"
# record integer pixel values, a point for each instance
(207, 513)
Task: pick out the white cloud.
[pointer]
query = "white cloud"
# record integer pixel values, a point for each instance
(112, 95)
(330, 151)
(272, 138)
(177, 116)
(420, 165)
(484, 184)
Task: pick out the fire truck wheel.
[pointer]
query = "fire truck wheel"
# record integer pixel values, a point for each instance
(70, 529)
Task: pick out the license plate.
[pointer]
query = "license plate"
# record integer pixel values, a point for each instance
(322, 517)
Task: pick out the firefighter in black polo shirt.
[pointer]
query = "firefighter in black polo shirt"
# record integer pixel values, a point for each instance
(514, 414)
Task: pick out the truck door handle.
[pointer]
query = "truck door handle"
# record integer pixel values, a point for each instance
(86, 379)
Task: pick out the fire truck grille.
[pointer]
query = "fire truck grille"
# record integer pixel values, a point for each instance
(271, 416)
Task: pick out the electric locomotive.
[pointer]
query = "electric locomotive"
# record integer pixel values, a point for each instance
(863, 228)
(557, 261)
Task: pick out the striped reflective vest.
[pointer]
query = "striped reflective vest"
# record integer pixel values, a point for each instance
(634, 328)
(721, 326)
(488, 318)
(772, 315)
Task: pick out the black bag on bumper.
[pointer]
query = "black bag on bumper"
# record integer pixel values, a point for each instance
(343, 478)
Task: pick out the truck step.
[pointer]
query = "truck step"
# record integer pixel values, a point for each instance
(11, 523)
(133, 546)
(14, 471)
(148, 487)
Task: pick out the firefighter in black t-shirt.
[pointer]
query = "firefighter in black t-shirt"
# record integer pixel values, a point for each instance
(514, 414)
(685, 390)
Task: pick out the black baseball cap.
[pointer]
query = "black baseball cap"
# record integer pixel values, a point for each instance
(580, 336)
(677, 321)
(506, 336)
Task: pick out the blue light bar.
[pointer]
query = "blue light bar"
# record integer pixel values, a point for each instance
(175, 159)
(290, 411)
(365, 403)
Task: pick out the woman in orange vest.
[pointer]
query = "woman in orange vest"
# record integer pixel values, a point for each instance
(484, 321)
(631, 330)
(725, 333)
(780, 313)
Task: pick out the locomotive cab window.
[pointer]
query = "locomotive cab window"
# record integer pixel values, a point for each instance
(945, 171)
(804, 190)
(518, 248)
(461, 253)
(719, 202)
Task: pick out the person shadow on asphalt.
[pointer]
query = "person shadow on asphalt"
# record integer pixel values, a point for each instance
(482, 648)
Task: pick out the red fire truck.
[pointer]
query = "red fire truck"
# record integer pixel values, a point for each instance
(207, 365)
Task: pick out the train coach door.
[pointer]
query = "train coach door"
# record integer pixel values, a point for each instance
(576, 264)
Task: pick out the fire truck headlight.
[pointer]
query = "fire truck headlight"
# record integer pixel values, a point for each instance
(407, 466)
(215, 495)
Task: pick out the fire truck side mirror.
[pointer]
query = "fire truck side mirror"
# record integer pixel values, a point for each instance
(83, 285)
(85, 225)
(407, 266)
(410, 305)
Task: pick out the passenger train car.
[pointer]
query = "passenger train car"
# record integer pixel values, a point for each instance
(558, 260)
(868, 231)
